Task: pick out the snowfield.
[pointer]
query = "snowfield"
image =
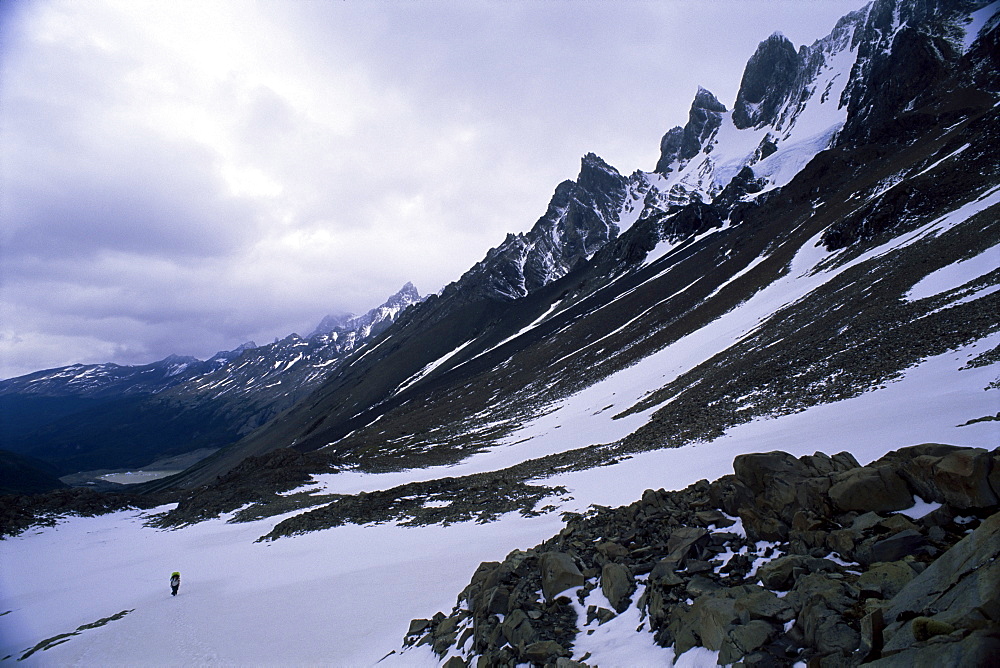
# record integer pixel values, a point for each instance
(339, 597)
(345, 596)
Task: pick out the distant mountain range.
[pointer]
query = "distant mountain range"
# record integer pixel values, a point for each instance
(108, 416)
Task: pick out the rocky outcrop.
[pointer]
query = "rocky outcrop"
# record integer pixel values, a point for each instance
(787, 560)
(680, 144)
(21, 511)
(581, 218)
(767, 82)
(905, 50)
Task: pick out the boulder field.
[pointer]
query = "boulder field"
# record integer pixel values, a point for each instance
(786, 560)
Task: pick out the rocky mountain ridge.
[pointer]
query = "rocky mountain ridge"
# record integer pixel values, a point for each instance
(848, 225)
(835, 287)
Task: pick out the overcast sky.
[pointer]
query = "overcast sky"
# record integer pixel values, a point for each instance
(181, 177)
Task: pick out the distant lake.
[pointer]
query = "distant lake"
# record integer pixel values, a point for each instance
(134, 477)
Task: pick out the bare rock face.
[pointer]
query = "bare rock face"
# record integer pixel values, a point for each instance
(959, 591)
(866, 488)
(767, 81)
(559, 573)
(904, 51)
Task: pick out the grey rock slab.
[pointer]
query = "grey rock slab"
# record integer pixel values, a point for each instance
(417, 626)
(497, 601)
(446, 626)
(611, 550)
(665, 573)
(763, 604)
(517, 629)
(782, 573)
(980, 648)
(559, 573)
(699, 585)
(871, 489)
(885, 580)
(744, 639)
(617, 585)
(682, 538)
(711, 617)
(543, 650)
(897, 546)
(961, 586)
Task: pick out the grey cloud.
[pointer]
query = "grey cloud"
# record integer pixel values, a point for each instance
(157, 200)
(383, 129)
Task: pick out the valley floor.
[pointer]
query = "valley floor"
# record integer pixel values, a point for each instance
(345, 596)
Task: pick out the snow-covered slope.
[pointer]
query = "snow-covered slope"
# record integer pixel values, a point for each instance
(345, 596)
(846, 301)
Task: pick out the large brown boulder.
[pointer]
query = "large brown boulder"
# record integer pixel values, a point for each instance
(758, 470)
(962, 477)
(617, 585)
(559, 573)
(871, 489)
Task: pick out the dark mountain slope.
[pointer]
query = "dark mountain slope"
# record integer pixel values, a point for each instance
(438, 384)
(26, 475)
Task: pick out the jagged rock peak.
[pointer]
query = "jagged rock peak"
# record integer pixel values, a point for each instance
(593, 160)
(332, 322)
(705, 99)
(681, 144)
(407, 295)
(377, 319)
(767, 80)
(597, 175)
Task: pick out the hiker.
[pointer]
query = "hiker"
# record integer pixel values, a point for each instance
(175, 583)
